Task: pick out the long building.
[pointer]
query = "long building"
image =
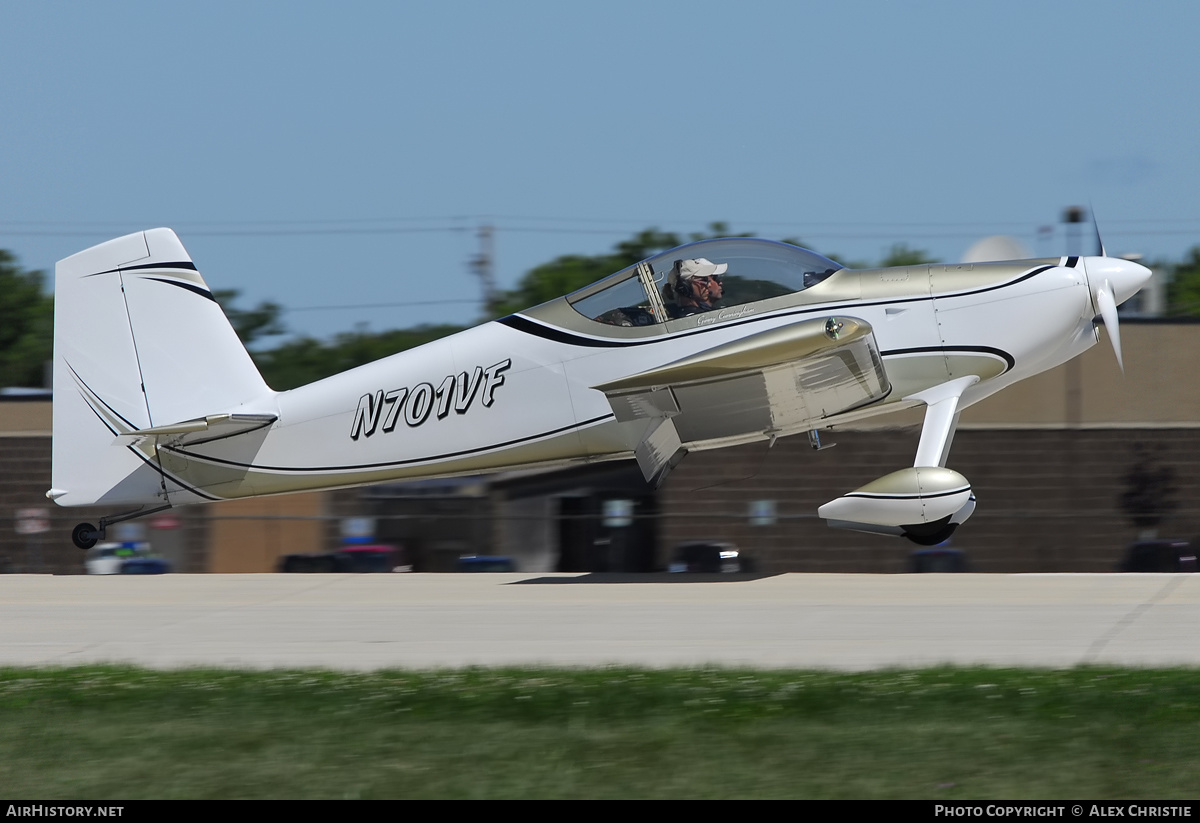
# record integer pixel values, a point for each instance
(1054, 461)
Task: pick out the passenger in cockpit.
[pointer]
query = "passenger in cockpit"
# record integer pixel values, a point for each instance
(693, 286)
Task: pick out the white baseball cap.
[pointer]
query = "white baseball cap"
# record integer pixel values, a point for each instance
(699, 267)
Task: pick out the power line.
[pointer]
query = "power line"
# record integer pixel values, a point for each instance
(582, 225)
(361, 306)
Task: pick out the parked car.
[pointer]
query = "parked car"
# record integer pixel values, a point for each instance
(709, 558)
(937, 560)
(104, 559)
(485, 563)
(1159, 556)
(357, 559)
(124, 558)
(371, 558)
(145, 565)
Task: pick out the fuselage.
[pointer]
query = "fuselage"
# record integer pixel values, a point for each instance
(520, 391)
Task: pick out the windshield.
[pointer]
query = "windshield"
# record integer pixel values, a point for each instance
(703, 276)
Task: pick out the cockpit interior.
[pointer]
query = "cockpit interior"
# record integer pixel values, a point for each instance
(700, 277)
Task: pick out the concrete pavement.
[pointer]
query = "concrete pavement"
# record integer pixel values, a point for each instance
(372, 621)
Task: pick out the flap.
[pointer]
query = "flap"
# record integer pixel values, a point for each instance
(777, 381)
(659, 451)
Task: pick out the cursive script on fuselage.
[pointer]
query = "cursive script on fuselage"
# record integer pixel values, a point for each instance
(723, 314)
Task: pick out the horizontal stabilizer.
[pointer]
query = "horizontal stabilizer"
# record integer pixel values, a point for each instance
(201, 430)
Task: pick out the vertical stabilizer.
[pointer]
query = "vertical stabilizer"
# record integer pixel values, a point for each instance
(139, 342)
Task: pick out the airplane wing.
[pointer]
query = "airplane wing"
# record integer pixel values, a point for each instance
(775, 382)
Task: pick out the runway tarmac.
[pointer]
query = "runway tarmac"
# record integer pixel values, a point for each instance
(373, 621)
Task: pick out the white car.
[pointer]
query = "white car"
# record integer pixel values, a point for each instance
(106, 558)
(124, 558)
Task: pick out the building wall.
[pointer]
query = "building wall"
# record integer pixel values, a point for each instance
(1048, 500)
(24, 478)
(242, 537)
(1160, 385)
(249, 536)
(1047, 458)
(433, 523)
(525, 531)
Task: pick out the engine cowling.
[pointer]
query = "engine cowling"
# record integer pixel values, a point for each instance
(924, 503)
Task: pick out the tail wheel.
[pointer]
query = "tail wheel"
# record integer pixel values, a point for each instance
(84, 536)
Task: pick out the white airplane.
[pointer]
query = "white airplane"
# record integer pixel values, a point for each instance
(157, 403)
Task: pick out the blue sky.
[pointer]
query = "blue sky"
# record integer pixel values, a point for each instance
(330, 155)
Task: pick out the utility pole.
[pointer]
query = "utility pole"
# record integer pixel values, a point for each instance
(1073, 216)
(482, 265)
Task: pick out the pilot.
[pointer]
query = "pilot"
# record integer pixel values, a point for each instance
(693, 286)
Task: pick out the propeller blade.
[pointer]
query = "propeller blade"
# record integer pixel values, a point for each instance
(1099, 241)
(1108, 311)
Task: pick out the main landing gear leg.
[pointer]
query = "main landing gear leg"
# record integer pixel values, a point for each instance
(85, 535)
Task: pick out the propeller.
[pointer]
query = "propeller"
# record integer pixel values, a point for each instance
(1107, 304)
(1113, 281)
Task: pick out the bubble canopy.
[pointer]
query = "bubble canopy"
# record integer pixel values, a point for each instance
(755, 270)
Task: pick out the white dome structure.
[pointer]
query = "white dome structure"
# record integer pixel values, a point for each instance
(996, 247)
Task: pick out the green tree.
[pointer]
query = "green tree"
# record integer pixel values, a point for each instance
(304, 360)
(1183, 292)
(571, 272)
(250, 324)
(720, 228)
(1150, 488)
(902, 255)
(26, 324)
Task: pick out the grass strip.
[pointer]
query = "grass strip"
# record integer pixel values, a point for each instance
(123, 733)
